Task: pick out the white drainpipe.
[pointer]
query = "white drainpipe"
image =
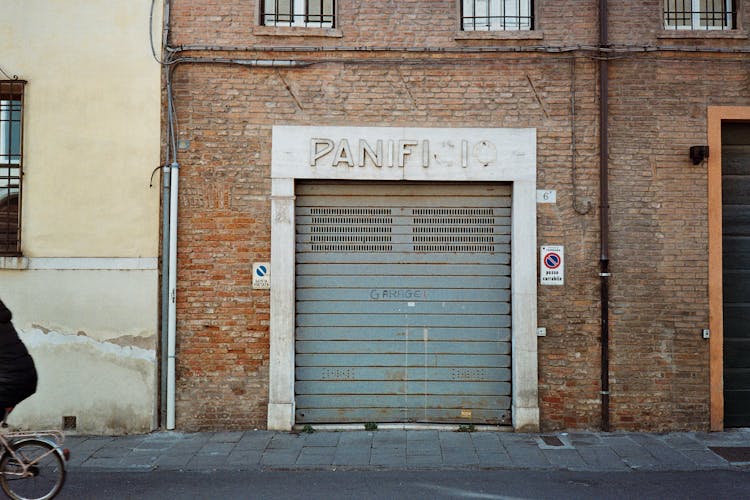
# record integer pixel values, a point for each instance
(172, 313)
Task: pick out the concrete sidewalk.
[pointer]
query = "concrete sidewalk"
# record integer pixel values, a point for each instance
(411, 449)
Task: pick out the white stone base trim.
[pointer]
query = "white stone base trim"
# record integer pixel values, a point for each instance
(526, 419)
(280, 416)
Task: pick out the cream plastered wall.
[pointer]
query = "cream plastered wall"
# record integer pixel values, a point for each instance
(92, 124)
(85, 293)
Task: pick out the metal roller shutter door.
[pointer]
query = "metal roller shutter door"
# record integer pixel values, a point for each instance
(403, 303)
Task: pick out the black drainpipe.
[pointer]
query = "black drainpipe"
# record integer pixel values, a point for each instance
(604, 213)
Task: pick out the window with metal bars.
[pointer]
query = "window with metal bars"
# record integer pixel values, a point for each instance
(11, 156)
(700, 14)
(304, 13)
(497, 15)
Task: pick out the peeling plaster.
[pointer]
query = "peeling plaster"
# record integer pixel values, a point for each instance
(42, 337)
(146, 343)
(110, 388)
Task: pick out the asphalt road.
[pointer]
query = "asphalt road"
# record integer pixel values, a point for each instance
(428, 484)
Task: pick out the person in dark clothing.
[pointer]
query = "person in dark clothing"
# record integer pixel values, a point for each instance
(18, 376)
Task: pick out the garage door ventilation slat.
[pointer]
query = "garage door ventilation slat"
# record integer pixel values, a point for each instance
(455, 230)
(348, 229)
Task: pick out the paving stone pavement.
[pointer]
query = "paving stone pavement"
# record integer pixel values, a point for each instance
(410, 449)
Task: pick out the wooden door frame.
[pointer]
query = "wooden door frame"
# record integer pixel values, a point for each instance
(716, 116)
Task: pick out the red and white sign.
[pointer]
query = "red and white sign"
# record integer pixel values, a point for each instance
(552, 265)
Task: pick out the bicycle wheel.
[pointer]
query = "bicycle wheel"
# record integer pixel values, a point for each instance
(47, 471)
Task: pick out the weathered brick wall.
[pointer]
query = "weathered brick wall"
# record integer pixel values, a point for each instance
(382, 23)
(658, 199)
(659, 237)
(569, 354)
(226, 113)
(641, 23)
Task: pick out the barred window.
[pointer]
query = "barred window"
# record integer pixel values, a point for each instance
(305, 13)
(700, 14)
(11, 154)
(497, 15)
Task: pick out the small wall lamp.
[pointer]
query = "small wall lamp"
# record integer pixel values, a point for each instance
(698, 154)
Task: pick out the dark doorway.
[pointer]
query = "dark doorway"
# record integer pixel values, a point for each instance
(735, 180)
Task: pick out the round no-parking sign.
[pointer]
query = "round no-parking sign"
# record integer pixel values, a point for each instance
(261, 275)
(552, 268)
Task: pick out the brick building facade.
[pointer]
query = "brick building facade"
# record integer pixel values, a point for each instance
(239, 82)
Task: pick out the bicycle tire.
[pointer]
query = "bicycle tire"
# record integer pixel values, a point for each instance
(49, 474)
